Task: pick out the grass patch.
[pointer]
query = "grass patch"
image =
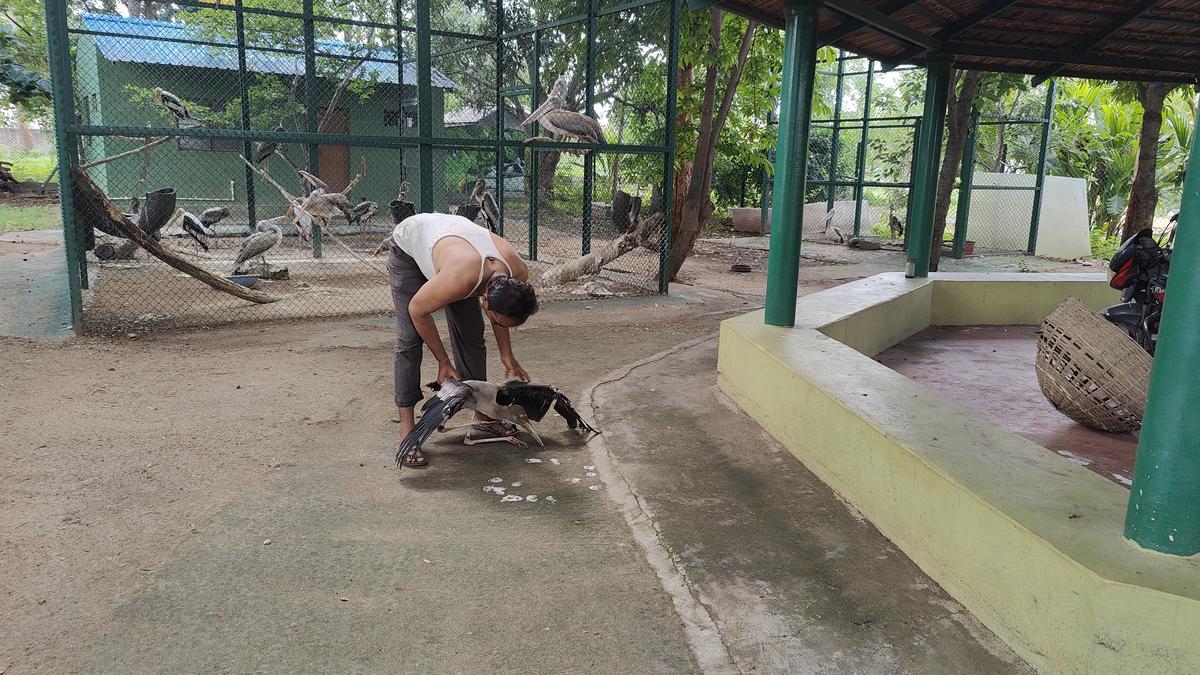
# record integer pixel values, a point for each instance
(25, 218)
(29, 165)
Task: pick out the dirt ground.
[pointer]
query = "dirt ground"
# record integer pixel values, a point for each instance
(225, 499)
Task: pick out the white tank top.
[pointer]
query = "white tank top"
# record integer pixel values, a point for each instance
(417, 235)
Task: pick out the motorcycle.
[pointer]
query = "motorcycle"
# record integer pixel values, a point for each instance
(1139, 270)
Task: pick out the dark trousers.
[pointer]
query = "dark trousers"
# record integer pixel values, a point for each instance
(464, 318)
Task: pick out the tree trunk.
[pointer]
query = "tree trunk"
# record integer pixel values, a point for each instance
(1143, 196)
(958, 121)
(690, 214)
(998, 160)
(547, 166)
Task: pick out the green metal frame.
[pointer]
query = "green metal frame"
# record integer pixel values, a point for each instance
(965, 181)
(1047, 122)
(64, 115)
(928, 151)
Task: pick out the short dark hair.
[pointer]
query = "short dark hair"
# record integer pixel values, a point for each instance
(511, 297)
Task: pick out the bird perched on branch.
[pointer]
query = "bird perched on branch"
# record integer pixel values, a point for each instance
(172, 103)
(519, 403)
(487, 206)
(563, 124)
(257, 244)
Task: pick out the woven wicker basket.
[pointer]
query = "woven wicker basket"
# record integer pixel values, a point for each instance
(1091, 370)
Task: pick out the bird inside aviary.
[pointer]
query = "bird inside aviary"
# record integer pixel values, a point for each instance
(563, 124)
(518, 403)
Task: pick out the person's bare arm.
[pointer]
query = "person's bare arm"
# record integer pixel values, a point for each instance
(440, 291)
(512, 367)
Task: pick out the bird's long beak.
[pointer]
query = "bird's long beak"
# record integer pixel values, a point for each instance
(537, 114)
(533, 432)
(303, 221)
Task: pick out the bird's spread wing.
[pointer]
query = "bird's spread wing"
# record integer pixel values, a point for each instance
(451, 398)
(537, 399)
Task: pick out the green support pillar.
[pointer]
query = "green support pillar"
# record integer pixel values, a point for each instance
(929, 150)
(1164, 501)
(310, 106)
(791, 158)
(425, 197)
(835, 140)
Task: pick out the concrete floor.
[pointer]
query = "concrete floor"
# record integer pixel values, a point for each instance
(990, 370)
(794, 579)
(34, 300)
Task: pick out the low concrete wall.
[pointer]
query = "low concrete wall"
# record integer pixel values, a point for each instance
(1027, 540)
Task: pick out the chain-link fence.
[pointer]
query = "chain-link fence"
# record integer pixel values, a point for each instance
(299, 127)
(997, 205)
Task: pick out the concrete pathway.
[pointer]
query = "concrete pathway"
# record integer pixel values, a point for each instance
(34, 300)
(793, 579)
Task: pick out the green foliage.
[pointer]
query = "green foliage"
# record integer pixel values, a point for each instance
(1103, 244)
(20, 82)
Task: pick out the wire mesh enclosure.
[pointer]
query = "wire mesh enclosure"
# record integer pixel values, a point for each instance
(276, 142)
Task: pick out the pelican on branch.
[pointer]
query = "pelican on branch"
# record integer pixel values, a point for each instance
(563, 124)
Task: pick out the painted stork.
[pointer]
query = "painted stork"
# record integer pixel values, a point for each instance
(216, 214)
(563, 124)
(518, 403)
(172, 103)
(197, 229)
(257, 244)
(363, 212)
(487, 206)
(264, 149)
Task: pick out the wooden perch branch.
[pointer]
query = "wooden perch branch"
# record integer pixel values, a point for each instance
(121, 155)
(94, 206)
(644, 235)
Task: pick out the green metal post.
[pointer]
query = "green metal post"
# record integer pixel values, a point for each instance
(860, 171)
(1048, 120)
(59, 52)
(1164, 502)
(310, 106)
(835, 142)
(247, 146)
(912, 181)
(589, 107)
(501, 126)
(791, 158)
(668, 198)
(966, 180)
(925, 181)
(425, 105)
(534, 170)
(400, 95)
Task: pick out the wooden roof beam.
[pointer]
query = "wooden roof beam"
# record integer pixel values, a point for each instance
(849, 26)
(1067, 57)
(1098, 38)
(883, 23)
(987, 11)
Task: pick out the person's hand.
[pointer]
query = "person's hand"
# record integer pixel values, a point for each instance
(514, 371)
(446, 370)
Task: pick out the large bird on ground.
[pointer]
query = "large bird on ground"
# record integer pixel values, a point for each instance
(257, 244)
(487, 206)
(216, 214)
(519, 403)
(196, 229)
(362, 212)
(563, 124)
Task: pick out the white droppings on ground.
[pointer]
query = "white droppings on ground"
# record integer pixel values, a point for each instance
(1081, 461)
(590, 474)
(1123, 480)
(515, 483)
(589, 467)
(532, 460)
(593, 487)
(495, 489)
(497, 479)
(551, 498)
(531, 498)
(554, 461)
(512, 498)
(574, 480)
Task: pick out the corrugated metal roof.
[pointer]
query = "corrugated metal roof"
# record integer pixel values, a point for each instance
(144, 45)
